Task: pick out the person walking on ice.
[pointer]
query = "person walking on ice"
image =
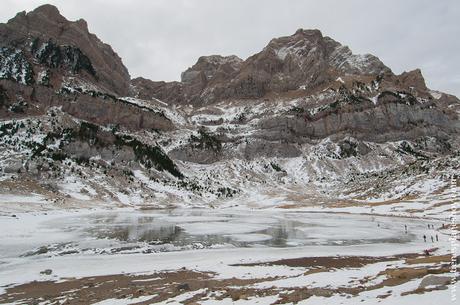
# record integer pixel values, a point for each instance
(424, 238)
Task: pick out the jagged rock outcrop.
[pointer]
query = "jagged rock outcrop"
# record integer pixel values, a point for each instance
(204, 80)
(212, 68)
(171, 92)
(413, 80)
(98, 108)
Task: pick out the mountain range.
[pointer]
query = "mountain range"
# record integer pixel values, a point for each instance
(304, 114)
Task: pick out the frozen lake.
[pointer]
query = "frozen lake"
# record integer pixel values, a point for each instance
(130, 231)
(61, 245)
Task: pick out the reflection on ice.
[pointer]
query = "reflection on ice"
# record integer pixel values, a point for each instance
(241, 229)
(122, 231)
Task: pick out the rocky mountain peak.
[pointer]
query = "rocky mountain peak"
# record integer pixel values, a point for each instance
(306, 36)
(48, 12)
(44, 12)
(414, 79)
(82, 24)
(308, 32)
(311, 47)
(207, 67)
(305, 60)
(45, 21)
(46, 30)
(300, 45)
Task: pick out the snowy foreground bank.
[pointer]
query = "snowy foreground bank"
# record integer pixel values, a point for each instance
(225, 256)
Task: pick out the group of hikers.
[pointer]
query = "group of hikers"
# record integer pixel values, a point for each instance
(432, 238)
(424, 236)
(430, 226)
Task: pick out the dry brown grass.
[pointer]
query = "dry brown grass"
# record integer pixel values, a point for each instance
(429, 260)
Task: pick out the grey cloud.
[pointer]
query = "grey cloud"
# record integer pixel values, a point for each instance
(159, 39)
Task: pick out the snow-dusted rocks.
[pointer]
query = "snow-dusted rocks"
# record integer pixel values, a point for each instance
(14, 66)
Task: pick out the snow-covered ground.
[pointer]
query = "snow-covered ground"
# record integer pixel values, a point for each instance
(89, 243)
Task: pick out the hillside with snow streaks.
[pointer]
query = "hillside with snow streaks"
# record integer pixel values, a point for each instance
(305, 115)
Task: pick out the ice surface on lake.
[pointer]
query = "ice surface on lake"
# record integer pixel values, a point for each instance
(128, 231)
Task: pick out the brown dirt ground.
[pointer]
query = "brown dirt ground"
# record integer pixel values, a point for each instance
(331, 261)
(165, 285)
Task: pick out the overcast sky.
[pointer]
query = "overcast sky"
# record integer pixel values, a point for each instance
(159, 39)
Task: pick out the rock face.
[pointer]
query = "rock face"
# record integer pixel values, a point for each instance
(171, 92)
(209, 74)
(390, 120)
(57, 39)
